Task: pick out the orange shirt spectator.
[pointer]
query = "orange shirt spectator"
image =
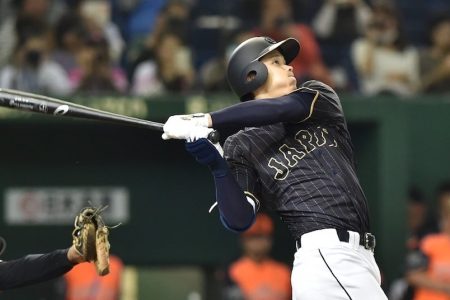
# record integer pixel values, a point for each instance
(83, 283)
(256, 274)
(429, 268)
(266, 280)
(437, 249)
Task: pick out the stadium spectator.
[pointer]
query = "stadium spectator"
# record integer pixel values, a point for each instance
(140, 18)
(435, 59)
(212, 74)
(97, 16)
(385, 63)
(174, 18)
(70, 36)
(416, 16)
(5, 10)
(170, 70)
(337, 24)
(419, 224)
(83, 283)
(429, 266)
(277, 22)
(31, 69)
(39, 10)
(97, 74)
(256, 275)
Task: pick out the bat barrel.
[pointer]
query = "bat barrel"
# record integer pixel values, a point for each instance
(51, 106)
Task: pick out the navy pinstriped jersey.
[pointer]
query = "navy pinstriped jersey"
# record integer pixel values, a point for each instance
(305, 171)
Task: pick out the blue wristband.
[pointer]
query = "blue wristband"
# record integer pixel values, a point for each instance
(206, 154)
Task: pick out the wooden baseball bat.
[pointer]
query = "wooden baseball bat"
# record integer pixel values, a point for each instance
(15, 99)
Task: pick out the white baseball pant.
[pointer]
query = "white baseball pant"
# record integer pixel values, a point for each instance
(326, 268)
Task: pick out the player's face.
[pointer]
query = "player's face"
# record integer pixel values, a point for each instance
(280, 81)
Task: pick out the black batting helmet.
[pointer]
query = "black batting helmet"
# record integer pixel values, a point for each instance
(245, 61)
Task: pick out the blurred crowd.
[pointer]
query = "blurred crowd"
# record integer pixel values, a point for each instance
(426, 269)
(149, 47)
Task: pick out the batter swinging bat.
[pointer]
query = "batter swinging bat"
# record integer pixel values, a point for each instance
(41, 104)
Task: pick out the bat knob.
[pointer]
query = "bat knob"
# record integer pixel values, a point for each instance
(214, 136)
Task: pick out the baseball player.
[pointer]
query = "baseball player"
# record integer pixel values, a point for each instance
(36, 268)
(293, 152)
(90, 243)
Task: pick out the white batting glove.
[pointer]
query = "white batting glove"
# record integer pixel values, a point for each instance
(176, 128)
(199, 119)
(180, 126)
(198, 132)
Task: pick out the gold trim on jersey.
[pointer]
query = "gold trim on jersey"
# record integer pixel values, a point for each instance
(311, 108)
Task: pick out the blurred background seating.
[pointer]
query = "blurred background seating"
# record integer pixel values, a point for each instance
(343, 41)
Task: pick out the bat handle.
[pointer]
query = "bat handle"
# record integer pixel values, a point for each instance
(214, 136)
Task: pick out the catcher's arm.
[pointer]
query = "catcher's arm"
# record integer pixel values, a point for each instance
(90, 243)
(37, 268)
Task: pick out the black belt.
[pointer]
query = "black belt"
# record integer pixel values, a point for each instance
(366, 239)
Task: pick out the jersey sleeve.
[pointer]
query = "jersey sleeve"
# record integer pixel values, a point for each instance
(327, 106)
(241, 169)
(290, 108)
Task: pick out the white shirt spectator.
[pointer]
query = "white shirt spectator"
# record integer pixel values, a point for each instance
(49, 78)
(392, 70)
(8, 39)
(146, 81)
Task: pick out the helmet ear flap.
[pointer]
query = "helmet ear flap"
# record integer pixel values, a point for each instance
(254, 76)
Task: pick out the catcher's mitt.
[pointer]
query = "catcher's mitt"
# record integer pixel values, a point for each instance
(90, 238)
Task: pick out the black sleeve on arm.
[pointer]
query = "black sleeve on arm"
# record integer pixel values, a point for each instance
(293, 107)
(33, 268)
(236, 213)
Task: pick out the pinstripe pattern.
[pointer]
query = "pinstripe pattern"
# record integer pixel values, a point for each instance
(304, 171)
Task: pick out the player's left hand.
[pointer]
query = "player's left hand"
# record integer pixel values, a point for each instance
(207, 153)
(198, 133)
(181, 126)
